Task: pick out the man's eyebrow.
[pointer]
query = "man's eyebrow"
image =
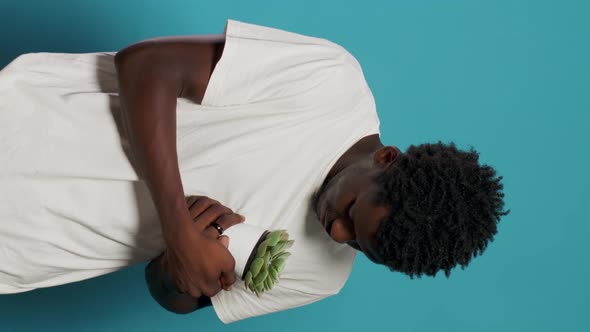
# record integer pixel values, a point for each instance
(368, 252)
(370, 256)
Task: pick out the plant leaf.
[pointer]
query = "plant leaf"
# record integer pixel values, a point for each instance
(248, 278)
(280, 264)
(274, 238)
(256, 266)
(260, 277)
(262, 248)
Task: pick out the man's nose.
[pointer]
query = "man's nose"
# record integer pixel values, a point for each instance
(341, 232)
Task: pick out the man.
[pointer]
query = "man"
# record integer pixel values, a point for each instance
(279, 126)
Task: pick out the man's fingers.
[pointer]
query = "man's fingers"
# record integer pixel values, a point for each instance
(228, 220)
(204, 211)
(228, 274)
(191, 200)
(197, 205)
(211, 214)
(213, 290)
(225, 221)
(190, 289)
(224, 240)
(194, 292)
(228, 279)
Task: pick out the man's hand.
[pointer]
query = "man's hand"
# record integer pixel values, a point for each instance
(197, 258)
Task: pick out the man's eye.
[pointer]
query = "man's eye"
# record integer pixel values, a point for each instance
(350, 214)
(354, 245)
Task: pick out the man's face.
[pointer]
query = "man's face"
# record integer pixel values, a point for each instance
(346, 210)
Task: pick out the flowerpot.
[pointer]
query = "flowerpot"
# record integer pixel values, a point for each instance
(243, 240)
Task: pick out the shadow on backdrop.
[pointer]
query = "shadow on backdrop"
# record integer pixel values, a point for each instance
(47, 27)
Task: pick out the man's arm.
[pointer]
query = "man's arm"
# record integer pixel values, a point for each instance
(152, 75)
(191, 58)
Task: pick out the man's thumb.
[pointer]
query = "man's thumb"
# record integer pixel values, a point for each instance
(224, 239)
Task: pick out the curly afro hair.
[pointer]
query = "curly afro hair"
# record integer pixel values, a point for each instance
(444, 209)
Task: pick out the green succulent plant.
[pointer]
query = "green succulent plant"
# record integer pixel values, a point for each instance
(268, 262)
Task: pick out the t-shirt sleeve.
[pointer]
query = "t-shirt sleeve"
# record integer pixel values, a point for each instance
(260, 64)
(239, 303)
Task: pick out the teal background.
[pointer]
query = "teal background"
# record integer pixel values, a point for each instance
(510, 78)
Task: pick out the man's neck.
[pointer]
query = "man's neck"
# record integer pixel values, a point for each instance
(367, 145)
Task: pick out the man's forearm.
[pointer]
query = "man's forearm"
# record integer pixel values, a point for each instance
(148, 92)
(152, 74)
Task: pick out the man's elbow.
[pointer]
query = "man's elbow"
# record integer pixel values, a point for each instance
(178, 307)
(123, 57)
(170, 299)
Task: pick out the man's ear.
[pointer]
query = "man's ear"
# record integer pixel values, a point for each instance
(386, 155)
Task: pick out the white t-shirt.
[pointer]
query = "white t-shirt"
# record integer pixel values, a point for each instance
(279, 111)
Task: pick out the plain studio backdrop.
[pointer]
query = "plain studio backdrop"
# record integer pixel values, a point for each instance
(510, 78)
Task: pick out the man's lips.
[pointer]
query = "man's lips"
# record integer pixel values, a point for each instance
(323, 216)
(325, 222)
